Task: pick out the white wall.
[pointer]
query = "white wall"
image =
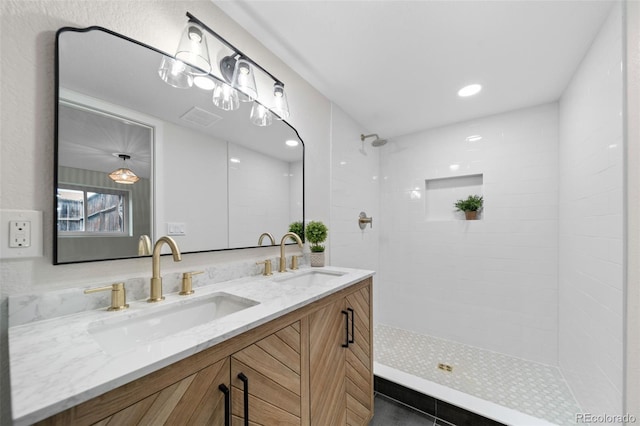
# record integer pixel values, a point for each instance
(490, 283)
(205, 214)
(258, 196)
(632, 122)
(591, 225)
(354, 188)
(27, 34)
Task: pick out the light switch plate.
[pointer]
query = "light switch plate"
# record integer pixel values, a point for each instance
(176, 228)
(20, 234)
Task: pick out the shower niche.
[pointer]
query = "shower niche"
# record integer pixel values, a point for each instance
(442, 193)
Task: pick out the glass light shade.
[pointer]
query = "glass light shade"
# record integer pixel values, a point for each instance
(280, 104)
(225, 97)
(260, 115)
(244, 81)
(123, 174)
(204, 82)
(175, 73)
(193, 49)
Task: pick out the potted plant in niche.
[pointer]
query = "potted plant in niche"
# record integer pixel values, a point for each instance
(470, 206)
(316, 233)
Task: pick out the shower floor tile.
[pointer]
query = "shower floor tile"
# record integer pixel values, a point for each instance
(532, 388)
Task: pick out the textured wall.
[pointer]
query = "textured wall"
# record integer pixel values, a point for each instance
(490, 283)
(27, 37)
(591, 225)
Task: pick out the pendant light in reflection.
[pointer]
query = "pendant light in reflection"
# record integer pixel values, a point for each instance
(175, 73)
(260, 115)
(225, 97)
(123, 174)
(280, 104)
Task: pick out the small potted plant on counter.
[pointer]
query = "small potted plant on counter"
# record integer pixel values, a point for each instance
(471, 206)
(316, 233)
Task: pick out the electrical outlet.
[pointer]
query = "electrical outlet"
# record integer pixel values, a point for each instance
(20, 234)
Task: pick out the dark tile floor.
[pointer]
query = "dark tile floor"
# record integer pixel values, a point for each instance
(389, 412)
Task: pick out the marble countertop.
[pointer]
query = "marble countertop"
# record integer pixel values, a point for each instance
(56, 363)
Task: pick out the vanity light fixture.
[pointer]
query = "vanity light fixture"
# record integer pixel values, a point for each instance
(175, 73)
(470, 90)
(237, 82)
(261, 115)
(225, 97)
(204, 82)
(123, 174)
(193, 49)
(244, 81)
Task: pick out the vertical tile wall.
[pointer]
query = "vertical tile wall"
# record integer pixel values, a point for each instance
(491, 283)
(354, 188)
(591, 225)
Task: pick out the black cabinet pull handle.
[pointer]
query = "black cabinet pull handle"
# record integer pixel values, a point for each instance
(245, 380)
(346, 329)
(353, 328)
(227, 404)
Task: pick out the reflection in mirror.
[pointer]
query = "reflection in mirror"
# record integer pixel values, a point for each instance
(208, 177)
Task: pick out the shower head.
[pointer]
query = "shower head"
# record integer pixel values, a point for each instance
(376, 142)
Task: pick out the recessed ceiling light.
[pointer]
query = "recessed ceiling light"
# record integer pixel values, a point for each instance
(469, 90)
(291, 143)
(234, 160)
(473, 138)
(454, 167)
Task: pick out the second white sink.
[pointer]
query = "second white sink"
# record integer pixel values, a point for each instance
(310, 277)
(116, 337)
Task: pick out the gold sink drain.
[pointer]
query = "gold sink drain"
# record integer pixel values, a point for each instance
(445, 367)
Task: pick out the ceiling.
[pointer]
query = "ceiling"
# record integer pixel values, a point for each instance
(396, 66)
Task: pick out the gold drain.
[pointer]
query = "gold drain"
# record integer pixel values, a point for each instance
(445, 367)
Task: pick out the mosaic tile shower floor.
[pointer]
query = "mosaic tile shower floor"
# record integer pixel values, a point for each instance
(529, 387)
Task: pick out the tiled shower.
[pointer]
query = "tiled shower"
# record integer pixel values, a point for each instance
(539, 277)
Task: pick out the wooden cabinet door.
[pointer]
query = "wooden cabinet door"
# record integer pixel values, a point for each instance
(327, 335)
(272, 368)
(359, 362)
(194, 400)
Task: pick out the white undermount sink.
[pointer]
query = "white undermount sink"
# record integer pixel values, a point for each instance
(116, 337)
(311, 277)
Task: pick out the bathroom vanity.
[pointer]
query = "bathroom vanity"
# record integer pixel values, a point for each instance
(294, 348)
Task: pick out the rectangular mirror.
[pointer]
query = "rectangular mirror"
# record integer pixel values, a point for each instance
(207, 177)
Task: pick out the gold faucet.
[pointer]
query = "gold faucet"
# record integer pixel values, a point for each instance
(156, 279)
(144, 245)
(266, 234)
(118, 296)
(283, 259)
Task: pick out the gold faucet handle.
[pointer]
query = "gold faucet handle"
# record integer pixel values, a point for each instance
(118, 296)
(294, 261)
(267, 267)
(187, 283)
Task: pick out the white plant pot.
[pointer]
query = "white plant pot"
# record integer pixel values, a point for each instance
(317, 258)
